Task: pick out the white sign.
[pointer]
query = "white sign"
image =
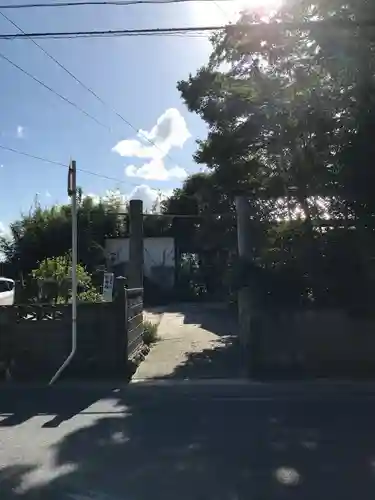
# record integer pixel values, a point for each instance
(108, 282)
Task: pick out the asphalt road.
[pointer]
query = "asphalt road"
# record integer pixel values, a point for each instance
(219, 443)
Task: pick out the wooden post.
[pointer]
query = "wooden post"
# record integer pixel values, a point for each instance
(244, 295)
(136, 244)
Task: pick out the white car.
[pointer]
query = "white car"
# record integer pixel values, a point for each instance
(6, 291)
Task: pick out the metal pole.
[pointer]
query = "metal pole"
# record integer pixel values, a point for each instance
(72, 191)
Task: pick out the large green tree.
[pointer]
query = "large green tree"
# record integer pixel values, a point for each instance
(290, 112)
(289, 106)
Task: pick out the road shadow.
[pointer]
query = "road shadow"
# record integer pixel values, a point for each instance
(173, 446)
(18, 406)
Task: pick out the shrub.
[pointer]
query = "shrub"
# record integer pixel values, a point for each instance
(150, 332)
(54, 278)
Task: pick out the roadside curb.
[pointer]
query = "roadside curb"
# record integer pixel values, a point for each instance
(252, 384)
(192, 383)
(256, 387)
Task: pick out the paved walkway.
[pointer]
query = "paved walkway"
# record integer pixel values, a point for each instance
(195, 341)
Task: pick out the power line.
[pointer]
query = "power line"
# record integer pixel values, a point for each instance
(262, 27)
(64, 68)
(46, 160)
(2, 56)
(194, 34)
(83, 3)
(107, 177)
(192, 216)
(187, 216)
(221, 9)
(88, 89)
(64, 165)
(146, 31)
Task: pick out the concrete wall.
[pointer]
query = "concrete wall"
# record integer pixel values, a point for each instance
(159, 257)
(314, 344)
(37, 339)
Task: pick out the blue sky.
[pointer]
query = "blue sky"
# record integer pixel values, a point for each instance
(137, 76)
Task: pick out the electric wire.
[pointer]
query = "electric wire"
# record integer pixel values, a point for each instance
(262, 27)
(65, 99)
(83, 3)
(87, 88)
(66, 166)
(83, 85)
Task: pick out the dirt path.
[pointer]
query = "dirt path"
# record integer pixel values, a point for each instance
(195, 342)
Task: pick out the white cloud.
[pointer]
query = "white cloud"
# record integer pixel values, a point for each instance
(20, 132)
(48, 194)
(151, 197)
(155, 170)
(114, 197)
(1, 166)
(170, 131)
(134, 148)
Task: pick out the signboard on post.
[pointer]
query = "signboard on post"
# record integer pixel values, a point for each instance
(72, 179)
(108, 282)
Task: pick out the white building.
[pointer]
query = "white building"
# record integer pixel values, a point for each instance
(159, 258)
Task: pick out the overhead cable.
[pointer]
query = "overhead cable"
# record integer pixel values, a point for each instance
(145, 31)
(83, 85)
(262, 27)
(143, 135)
(41, 158)
(66, 166)
(82, 3)
(65, 99)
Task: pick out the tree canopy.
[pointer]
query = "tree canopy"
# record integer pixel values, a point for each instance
(46, 232)
(289, 109)
(290, 112)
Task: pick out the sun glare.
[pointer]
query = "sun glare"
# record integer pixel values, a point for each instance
(219, 12)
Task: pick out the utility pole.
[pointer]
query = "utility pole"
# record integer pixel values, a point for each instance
(244, 295)
(136, 244)
(72, 192)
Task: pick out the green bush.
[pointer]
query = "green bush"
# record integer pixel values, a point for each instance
(150, 332)
(54, 278)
